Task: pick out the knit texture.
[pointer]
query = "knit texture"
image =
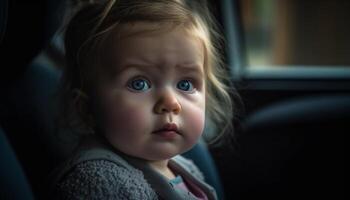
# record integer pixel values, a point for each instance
(102, 179)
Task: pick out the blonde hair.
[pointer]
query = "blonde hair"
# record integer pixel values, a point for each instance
(96, 20)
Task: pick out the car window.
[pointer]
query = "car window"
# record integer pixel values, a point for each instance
(294, 38)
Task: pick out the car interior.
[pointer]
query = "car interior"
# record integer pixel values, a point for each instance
(289, 125)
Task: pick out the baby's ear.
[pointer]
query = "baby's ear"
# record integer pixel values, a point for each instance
(80, 100)
(82, 108)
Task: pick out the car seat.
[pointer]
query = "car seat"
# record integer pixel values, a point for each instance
(24, 32)
(13, 183)
(295, 149)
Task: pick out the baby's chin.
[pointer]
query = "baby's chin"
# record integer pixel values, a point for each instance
(166, 154)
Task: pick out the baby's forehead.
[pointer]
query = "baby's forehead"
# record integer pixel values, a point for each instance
(126, 36)
(141, 27)
(153, 43)
(149, 28)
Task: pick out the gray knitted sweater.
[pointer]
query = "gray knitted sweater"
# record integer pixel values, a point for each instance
(102, 179)
(99, 173)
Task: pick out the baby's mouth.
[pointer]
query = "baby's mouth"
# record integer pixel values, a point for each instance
(168, 130)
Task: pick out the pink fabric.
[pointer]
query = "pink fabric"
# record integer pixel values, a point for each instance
(196, 191)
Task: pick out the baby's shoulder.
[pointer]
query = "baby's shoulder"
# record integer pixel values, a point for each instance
(96, 177)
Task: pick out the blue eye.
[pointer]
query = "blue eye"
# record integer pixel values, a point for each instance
(185, 85)
(139, 84)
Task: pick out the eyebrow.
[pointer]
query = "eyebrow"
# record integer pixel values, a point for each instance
(196, 68)
(191, 68)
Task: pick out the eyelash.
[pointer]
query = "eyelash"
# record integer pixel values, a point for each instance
(192, 85)
(131, 84)
(146, 85)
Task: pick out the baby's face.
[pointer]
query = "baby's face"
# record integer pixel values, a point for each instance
(154, 107)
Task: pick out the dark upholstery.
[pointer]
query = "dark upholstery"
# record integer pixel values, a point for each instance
(295, 149)
(13, 182)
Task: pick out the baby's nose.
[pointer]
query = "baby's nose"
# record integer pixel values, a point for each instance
(168, 103)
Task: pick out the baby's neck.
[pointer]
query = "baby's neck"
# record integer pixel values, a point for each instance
(162, 167)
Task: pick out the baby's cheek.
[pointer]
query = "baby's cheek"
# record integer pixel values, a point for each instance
(195, 124)
(126, 118)
(123, 121)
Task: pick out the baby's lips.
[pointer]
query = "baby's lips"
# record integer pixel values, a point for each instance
(168, 127)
